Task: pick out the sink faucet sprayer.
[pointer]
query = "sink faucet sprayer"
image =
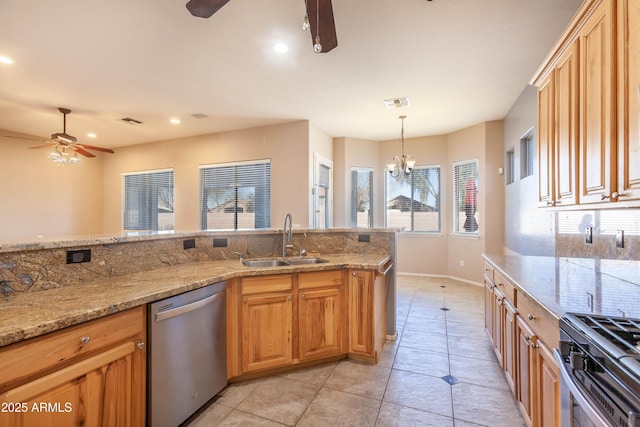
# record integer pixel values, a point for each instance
(287, 235)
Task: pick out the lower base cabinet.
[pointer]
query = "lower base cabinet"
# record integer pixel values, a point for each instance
(92, 374)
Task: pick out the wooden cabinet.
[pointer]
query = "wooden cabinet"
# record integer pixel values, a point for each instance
(90, 374)
(321, 315)
(285, 319)
(597, 105)
(628, 100)
(588, 103)
(547, 380)
(526, 360)
(367, 329)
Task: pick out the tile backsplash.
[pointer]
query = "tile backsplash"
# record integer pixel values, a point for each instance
(605, 224)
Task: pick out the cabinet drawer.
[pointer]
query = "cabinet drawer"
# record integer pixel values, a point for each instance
(266, 284)
(36, 355)
(543, 323)
(488, 271)
(505, 287)
(320, 279)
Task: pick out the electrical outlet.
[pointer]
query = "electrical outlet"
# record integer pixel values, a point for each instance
(220, 242)
(366, 238)
(461, 263)
(189, 243)
(76, 257)
(620, 239)
(588, 235)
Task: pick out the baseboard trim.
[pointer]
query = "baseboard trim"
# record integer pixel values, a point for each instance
(441, 276)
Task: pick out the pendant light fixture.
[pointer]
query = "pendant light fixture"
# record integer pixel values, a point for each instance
(317, 47)
(402, 165)
(305, 20)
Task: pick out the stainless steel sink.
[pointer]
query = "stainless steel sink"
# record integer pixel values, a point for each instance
(306, 260)
(265, 262)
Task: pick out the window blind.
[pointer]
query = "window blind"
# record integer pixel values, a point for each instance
(236, 196)
(148, 201)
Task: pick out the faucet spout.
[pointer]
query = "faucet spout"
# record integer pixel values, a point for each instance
(287, 234)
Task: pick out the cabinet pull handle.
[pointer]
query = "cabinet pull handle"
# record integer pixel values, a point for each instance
(531, 317)
(85, 340)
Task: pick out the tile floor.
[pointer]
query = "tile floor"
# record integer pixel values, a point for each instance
(405, 388)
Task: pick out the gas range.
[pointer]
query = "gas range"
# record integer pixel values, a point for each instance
(601, 357)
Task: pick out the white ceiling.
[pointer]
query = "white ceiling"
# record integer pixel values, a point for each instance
(460, 62)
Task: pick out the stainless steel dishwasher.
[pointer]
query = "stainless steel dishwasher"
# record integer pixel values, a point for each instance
(187, 353)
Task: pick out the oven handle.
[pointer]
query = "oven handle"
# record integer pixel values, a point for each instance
(582, 400)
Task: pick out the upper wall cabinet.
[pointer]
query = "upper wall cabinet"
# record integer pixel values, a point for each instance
(588, 143)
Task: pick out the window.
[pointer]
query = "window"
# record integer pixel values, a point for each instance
(361, 198)
(414, 203)
(465, 200)
(235, 196)
(510, 167)
(527, 154)
(148, 201)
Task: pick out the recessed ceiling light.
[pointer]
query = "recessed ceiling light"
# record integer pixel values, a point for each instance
(281, 48)
(174, 121)
(92, 135)
(5, 60)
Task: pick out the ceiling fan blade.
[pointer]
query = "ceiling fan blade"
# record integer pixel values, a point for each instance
(328, 37)
(22, 137)
(91, 147)
(81, 151)
(205, 8)
(42, 146)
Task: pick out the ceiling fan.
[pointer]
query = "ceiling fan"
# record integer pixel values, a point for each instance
(319, 15)
(65, 144)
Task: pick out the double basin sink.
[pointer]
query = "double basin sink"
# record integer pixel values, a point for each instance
(279, 262)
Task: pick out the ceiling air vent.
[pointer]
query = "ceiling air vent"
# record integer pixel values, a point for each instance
(199, 115)
(396, 103)
(131, 121)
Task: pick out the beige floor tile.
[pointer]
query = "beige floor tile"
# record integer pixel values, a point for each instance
(316, 375)
(478, 371)
(434, 325)
(422, 362)
(363, 379)
(212, 416)
(460, 329)
(419, 391)
(474, 317)
(242, 419)
(485, 406)
(424, 341)
(471, 347)
(233, 394)
(392, 415)
(388, 353)
(279, 399)
(335, 408)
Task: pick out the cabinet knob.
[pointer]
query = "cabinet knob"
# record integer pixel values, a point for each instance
(550, 203)
(353, 274)
(302, 296)
(85, 340)
(289, 298)
(140, 345)
(531, 317)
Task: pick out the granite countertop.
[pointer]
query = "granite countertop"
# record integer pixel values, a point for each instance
(564, 285)
(27, 315)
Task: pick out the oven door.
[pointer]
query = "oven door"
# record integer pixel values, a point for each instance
(577, 408)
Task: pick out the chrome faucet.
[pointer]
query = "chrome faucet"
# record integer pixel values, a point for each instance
(287, 235)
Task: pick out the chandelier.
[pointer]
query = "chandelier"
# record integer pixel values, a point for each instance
(403, 164)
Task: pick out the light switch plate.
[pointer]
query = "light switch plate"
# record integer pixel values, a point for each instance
(588, 235)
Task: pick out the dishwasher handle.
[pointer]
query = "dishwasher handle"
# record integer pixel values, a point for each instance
(168, 314)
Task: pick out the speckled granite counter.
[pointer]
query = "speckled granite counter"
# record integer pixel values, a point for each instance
(27, 315)
(569, 284)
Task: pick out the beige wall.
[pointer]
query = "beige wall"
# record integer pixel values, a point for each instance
(284, 144)
(41, 198)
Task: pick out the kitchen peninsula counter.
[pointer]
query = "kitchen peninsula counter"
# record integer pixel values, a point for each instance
(583, 285)
(31, 314)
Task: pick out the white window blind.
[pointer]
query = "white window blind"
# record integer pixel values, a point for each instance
(361, 198)
(414, 203)
(148, 201)
(236, 196)
(527, 154)
(465, 196)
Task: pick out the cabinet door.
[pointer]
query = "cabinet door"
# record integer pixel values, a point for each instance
(546, 135)
(498, 324)
(566, 127)
(104, 390)
(320, 323)
(509, 345)
(547, 388)
(526, 370)
(266, 331)
(597, 109)
(629, 100)
(489, 308)
(361, 327)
